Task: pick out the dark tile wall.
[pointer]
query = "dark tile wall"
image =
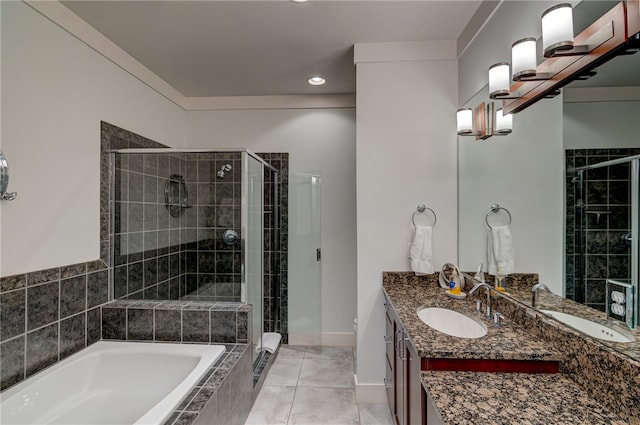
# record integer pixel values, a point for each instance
(213, 269)
(158, 256)
(177, 321)
(147, 254)
(276, 219)
(48, 315)
(598, 216)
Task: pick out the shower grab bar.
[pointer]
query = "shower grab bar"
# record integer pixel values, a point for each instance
(495, 209)
(421, 209)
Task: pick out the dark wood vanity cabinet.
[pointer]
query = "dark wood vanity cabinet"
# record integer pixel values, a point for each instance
(404, 388)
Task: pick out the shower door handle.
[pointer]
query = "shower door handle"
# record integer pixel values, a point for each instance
(318, 254)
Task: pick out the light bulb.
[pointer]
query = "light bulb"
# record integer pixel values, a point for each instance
(557, 29)
(523, 58)
(499, 80)
(504, 123)
(316, 80)
(464, 121)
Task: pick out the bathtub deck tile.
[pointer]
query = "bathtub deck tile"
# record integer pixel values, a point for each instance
(200, 400)
(172, 418)
(186, 418)
(187, 400)
(206, 377)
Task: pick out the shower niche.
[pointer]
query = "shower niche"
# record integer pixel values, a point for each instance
(198, 226)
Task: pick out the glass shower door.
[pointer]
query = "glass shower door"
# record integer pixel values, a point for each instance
(304, 259)
(603, 223)
(252, 232)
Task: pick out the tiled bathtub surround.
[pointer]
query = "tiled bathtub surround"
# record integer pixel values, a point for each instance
(223, 396)
(177, 321)
(48, 315)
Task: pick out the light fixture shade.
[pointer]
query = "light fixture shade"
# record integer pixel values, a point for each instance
(503, 123)
(557, 29)
(523, 58)
(464, 121)
(499, 80)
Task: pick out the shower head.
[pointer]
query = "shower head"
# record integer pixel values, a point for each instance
(223, 169)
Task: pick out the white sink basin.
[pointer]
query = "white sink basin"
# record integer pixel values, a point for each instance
(589, 327)
(452, 323)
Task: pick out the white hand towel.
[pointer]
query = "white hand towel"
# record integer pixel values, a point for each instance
(421, 251)
(501, 254)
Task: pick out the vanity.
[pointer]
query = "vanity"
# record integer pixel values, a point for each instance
(528, 368)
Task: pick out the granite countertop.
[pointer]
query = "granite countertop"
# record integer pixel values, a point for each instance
(507, 398)
(550, 301)
(506, 342)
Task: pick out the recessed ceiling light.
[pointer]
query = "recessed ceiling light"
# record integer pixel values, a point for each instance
(316, 80)
(299, 1)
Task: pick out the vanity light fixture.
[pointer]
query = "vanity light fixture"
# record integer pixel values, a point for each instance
(557, 30)
(316, 80)
(464, 121)
(524, 61)
(557, 33)
(503, 124)
(500, 81)
(483, 122)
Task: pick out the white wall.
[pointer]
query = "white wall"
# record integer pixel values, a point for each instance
(594, 125)
(55, 92)
(406, 154)
(317, 140)
(522, 172)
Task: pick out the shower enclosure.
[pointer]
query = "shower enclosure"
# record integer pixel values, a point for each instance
(190, 225)
(602, 231)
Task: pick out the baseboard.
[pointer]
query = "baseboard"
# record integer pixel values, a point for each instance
(327, 339)
(370, 393)
(339, 339)
(303, 339)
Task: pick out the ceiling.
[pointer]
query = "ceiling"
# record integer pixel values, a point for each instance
(257, 48)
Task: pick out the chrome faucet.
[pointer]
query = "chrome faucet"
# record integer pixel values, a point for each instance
(489, 288)
(534, 292)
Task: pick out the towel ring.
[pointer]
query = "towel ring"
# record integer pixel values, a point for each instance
(495, 208)
(421, 210)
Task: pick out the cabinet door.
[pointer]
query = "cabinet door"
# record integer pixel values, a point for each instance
(399, 373)
(414, 392)
(390, 364)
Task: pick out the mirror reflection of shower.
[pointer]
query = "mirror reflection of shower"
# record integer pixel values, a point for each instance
(224, 169)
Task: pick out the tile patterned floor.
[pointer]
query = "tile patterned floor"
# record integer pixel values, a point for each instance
(313, 386)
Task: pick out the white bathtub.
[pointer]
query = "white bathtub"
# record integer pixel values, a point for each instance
(110, 383)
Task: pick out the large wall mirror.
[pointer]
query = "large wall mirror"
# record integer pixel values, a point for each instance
(574, 228)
